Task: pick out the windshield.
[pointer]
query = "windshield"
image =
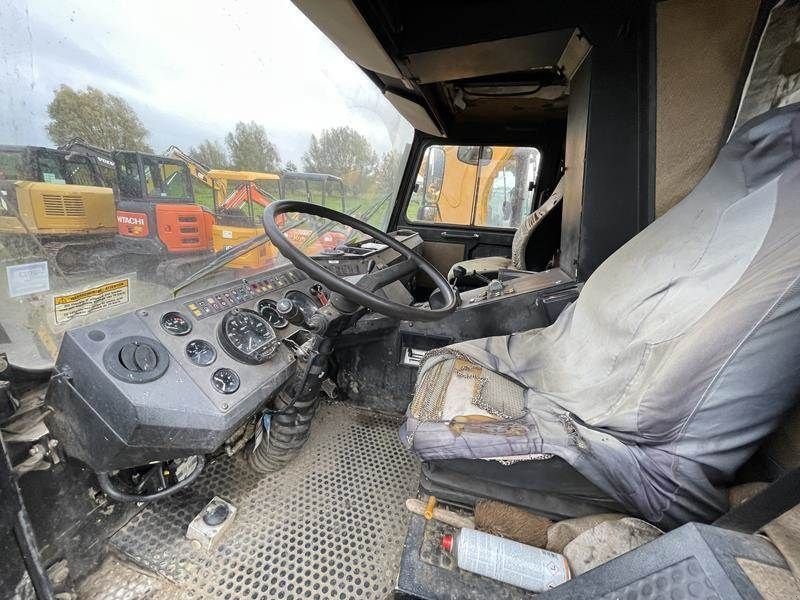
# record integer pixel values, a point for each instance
(75, 251)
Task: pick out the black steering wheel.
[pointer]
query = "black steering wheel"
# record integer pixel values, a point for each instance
(363, 292)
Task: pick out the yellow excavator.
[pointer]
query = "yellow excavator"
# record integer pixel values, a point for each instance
(239, 200)
(51, 199)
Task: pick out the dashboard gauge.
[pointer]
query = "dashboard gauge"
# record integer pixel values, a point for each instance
(307, 305)
(174, 323)
(267, 310)
(225, 381)
(247, 336)
(201, 353)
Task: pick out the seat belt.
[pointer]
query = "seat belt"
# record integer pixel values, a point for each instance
(771, 502)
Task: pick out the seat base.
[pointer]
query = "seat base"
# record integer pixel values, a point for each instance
(551, 488)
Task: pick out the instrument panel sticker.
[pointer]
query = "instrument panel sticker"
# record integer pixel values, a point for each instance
(94, 299)
(30, 278)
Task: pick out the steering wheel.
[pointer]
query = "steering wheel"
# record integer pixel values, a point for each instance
(363, 292)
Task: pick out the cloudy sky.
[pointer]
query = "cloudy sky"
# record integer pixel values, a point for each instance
(190, 70)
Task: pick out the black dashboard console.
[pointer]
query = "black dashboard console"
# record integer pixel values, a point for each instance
(180, 377)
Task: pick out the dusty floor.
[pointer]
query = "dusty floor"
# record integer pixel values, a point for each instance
(331, 525)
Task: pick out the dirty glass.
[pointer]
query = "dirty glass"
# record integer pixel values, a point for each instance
(12, 165)
(479, 186)
(119, 207)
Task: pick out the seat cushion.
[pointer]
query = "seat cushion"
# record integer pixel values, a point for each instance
(488, 265)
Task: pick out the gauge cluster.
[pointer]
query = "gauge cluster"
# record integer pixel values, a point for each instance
(230, 339)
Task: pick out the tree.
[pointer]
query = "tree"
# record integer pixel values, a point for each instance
(344, 152)
(250, 148)
(291, 167)
(211, 153)
(388, 172)
(98, 118)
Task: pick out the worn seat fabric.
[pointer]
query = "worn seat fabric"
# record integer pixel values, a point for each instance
(677, 359)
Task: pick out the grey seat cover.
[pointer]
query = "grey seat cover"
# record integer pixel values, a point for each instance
(681, 353)
(492, 264)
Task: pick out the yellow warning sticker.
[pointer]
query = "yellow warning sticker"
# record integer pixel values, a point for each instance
(95, 299)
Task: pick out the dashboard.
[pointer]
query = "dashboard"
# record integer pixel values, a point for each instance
(179, 377)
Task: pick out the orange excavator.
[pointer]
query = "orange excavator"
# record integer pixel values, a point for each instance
(162, 233)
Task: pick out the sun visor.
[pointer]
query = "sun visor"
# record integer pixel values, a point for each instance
(341, 22)
(414, 113)
(522, 53)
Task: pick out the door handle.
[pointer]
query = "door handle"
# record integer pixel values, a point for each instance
(460, 236)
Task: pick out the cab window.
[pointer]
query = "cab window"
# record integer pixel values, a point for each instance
(79, 171)
(478, 186)
(52, 170)
(12, 166)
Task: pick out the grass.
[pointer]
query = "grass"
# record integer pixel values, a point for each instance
(354, 205)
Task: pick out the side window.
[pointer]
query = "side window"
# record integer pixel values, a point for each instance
(52, 170)
(12, 166)
(481, 186)
(79, 172)
(129, 183)
(175, 181)
(506, 187)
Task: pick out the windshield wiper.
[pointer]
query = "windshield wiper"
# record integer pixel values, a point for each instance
(226, 256)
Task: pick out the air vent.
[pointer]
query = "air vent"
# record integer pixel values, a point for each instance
(136, 359)
(63, 206)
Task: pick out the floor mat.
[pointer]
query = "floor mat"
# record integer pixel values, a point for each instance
(330, 525)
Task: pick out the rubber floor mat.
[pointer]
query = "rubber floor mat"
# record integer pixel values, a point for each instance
(330, 525)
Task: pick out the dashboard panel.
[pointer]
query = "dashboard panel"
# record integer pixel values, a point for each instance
(179, 377)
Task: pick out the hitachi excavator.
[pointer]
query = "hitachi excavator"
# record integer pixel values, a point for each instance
(50, 199)
(162, 233)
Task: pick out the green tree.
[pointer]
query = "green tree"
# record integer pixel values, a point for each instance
(344, 152)
(250, 148)
(211, 153)
(291, 167)
(388, 172)
(100, 119)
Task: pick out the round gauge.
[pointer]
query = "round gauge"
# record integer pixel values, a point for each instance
(307, 305)
(225, 381)
(174, 323)
(201, 353)
(267, 309)
(247, 336)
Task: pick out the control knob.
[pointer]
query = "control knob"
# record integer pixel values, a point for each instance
(289, 310)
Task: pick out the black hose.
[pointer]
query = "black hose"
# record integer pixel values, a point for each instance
(112, 492)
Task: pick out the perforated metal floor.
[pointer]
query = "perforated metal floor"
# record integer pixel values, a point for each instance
(330, 525)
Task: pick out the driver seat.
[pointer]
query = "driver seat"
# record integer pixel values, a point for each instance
(650, 391)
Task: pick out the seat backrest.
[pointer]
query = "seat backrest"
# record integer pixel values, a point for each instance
(689, 335)
(531, 223)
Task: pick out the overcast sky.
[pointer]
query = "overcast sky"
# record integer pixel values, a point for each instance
(190, 70)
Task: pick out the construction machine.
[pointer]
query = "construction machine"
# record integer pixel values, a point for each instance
(162, 233)
(470, 184)
(239, 199)
(242, 196)
(50, 200)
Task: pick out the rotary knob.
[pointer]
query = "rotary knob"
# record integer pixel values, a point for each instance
(290, 311)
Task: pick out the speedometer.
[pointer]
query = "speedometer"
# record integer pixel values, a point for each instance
(247, 336)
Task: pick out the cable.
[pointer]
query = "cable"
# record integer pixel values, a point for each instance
(112, 492)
